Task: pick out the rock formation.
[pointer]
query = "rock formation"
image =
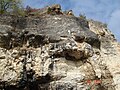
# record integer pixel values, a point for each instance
(57, 52)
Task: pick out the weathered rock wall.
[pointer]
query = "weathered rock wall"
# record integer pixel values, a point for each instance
(57, 52)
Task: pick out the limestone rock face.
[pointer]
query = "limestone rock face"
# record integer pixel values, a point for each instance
(57, 52)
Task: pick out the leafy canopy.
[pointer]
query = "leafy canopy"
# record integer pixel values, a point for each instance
(9, 5)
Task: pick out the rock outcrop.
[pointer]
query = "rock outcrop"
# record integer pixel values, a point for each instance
(57, 52)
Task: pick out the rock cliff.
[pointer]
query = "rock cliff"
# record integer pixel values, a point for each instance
(57, 52)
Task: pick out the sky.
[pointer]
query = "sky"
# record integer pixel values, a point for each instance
(106, 11)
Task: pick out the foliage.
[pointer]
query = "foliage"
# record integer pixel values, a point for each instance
(82, 16)
(49, 10)
(10, 6)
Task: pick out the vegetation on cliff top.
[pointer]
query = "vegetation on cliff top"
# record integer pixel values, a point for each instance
(15, 7)
(11, 7)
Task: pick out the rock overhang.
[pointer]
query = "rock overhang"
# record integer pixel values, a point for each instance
(51, 28)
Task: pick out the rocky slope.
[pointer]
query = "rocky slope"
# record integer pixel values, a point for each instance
(57, 52)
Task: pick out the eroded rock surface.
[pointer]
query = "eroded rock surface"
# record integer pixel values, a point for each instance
(57, 52)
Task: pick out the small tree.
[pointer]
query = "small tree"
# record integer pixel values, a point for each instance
(82, 16)
(9, 5)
